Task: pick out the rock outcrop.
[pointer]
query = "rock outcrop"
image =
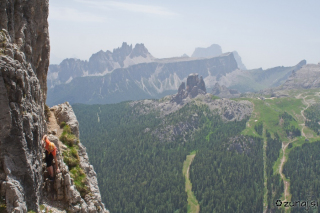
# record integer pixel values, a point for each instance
(195, 86)
(63, 188)
(307, 77)
(24, 60)
(64, 113)
(228, 110)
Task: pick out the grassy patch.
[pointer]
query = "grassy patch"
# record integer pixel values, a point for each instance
(213, 97)
(62, 124)
(79, 178)
(71, 158)
(268, 111)
(67, 137)
(193, 205)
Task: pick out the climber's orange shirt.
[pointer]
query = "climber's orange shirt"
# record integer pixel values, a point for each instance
(47, 147)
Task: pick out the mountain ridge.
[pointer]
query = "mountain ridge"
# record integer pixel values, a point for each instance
(141, 81)
(98, 64)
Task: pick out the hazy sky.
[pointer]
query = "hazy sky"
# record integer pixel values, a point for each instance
(265, 33)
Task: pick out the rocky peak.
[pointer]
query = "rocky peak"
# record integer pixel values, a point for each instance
(195, 86)
(120, 54)
(139, 50)
(194, 81)
(301, 64)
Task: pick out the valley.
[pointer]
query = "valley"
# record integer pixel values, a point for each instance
(243, 140)
(165, 133)
(159, 135)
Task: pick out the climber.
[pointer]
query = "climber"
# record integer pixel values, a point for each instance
(51, 152)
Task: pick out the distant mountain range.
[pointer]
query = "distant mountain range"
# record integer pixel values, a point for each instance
(129, 73)
(99, 64)
(141, 81)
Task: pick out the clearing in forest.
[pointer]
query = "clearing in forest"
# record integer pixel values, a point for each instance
(193, 205)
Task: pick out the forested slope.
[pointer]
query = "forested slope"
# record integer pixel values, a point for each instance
(136, 171)
(138, 150)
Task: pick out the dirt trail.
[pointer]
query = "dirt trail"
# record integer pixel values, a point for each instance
(51, 205)
(53, 125)
(304, 117)
(284, 147)
(283, 160)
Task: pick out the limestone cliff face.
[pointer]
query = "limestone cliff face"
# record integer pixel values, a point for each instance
(24, 60)
(27, 26)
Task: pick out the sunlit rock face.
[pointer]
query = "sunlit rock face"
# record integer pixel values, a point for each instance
(24, 61)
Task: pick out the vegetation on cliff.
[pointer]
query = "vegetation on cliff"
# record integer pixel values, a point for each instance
(71, 158)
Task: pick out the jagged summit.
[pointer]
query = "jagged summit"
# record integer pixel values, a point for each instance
(99, 63)
(195, 86)
(139, 50)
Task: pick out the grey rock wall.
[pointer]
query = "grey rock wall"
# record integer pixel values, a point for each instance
(27, 25)
(22, 125)
(24, 59)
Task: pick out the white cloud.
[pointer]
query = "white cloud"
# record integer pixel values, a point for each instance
(138, 8)
(73, 15)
